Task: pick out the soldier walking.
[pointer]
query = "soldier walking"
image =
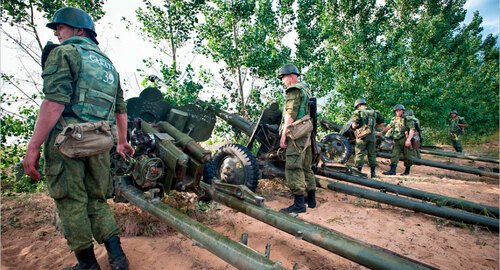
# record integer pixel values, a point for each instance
(410, 115)
(80, 85)
(369, 119)
(457, 129)
(298, 171)
(404, 129)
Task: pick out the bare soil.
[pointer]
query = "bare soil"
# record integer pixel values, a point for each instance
(30, 241)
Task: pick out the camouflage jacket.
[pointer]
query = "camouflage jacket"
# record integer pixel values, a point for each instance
(367, 116)
(401, 125)
(62, 72)
(297, 101)
(454, 128)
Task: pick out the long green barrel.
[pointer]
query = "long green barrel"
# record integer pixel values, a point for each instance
(442, 165)
(235, 120)
(330, 125)
(235, 253)
(439, 211)
(170, 154)
(460, 155)
(342, 245)
(188, 144)
(414, 193)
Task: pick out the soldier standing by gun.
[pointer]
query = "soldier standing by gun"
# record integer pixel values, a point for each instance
(404, 129)
(80, 85)
(457, 125)
(364, 121)
(298, 171)
(410, 115)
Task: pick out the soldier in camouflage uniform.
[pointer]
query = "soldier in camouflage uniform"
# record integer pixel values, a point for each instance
(366, 116)
(298, 171)
(80, 85)
(404, 129)
(457, 125)
(410, 115)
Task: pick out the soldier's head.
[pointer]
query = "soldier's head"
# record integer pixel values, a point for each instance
(359, 102)
(289, 74)
(70, 22)
(399, 109)
(453, 114)
(409, 113)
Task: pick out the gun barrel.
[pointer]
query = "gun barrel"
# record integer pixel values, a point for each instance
(330, 125)
(460, 155)
(235, 120)
(238, 255)
(187, 143)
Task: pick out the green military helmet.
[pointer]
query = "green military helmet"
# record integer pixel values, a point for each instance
(454, 111)
(359, 101)
(409, 112)
(398, 107)
(75, 18)
(288, 69)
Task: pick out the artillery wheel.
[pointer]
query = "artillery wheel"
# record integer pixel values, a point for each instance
(209, 172)
(235, 164)
(336, 148)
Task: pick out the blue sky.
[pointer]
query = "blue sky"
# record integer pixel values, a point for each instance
(489, 10)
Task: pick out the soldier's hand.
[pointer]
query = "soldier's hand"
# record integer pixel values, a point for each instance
(408, 143)
(31, 163)
(379, 134)
(122, 148)
(283, 142)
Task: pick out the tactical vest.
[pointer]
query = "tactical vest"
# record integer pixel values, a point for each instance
(96, 87)
(454, 128)
(400, 128)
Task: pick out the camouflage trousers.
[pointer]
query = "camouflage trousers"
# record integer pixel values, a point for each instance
(80, 188)
(456, 141)
(364, 146)
(298, 171)
(400, 148)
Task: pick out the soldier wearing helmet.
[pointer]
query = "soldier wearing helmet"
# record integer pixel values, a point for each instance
(404, 130)
(298, 171)
(410, 115)
(80, 85)
(457, 129)
(366, 118)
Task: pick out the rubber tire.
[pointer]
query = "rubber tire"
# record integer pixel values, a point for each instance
(244, 156)
(341, 141)
(209, 172)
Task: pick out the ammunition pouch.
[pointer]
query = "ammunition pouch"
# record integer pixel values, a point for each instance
(415, 141)
(362, 132)
(300, 128)
(85, 139)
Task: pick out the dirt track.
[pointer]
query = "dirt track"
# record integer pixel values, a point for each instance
(29, 240)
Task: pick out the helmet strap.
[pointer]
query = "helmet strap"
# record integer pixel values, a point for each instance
(75, 31)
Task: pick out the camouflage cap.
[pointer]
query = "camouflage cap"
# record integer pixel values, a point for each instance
(409, 112)
(454, 111)
(359, 101)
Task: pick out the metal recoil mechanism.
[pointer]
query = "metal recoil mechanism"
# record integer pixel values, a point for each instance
(147, 171)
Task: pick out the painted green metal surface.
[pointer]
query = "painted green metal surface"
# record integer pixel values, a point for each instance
(185, 142)
(460, 155)
(235, 253)
(414, 193)
(442, 165)
(439, 211)
(342, 245)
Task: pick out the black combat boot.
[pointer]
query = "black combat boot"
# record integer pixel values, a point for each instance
(311, 198)
(298, 206)
(116, 256)
(407, 170)
(86, 260)
(372, 172)
(392, 171)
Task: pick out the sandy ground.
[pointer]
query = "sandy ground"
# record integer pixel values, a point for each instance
(30, 241)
